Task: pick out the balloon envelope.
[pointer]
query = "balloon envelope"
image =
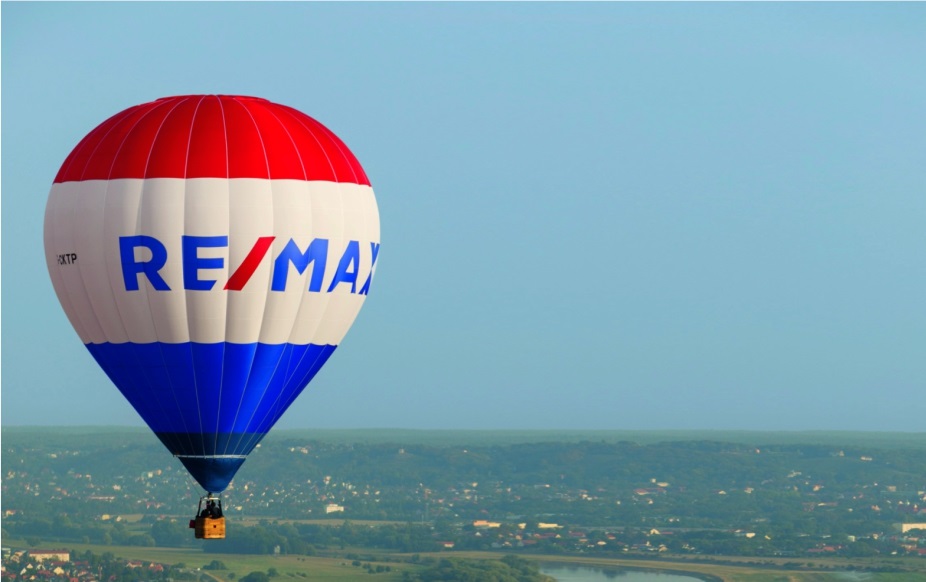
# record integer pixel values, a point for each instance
(211, 252)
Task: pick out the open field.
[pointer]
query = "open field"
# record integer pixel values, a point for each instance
(335, 568)
(310, 568)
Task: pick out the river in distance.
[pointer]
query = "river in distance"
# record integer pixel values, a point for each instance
(572, 573)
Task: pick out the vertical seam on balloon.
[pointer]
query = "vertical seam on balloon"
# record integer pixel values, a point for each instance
(251, 428)
(338, 145)
(223, 343)
(228, 186)
(112, 298)
(303, 382)
(125, 138)
(102, 235)
(247, 378)
(186, 311)
(112, 165)
(83, 283)
(154, 139)
(250, 423)
(98, 144)
(218, 415)
(335, 140)
(305, 173)
(225, 135)
(160, 344)
(277, 408)
(84, 143)
(173, 390)
(189, 140)
(331, 298)
(266, 297)
(69, 161)
(219, 408)
(109, 179)
(260, 137)
(244, 392)
(328, 297)
(186, 307)
(270, 186)
(311, 132)
(251, 366)
(305, 295)
(312, 216)
(367, 218)
(274, 410)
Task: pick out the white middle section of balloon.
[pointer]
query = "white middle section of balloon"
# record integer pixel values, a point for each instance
(87, 219)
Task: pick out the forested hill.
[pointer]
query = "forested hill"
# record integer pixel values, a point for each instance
(615, 460)
(516, 472)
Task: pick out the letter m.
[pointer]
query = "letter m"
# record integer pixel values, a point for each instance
(317, 253)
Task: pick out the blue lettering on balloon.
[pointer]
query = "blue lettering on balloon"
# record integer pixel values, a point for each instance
(345, 274)
(365, 290)
(317, 253)
(192, 262)
(316, 256)
(131, 268)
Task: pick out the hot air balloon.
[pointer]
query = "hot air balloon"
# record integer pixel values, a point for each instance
(211, 251)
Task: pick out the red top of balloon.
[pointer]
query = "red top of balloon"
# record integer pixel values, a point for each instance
(211, 136)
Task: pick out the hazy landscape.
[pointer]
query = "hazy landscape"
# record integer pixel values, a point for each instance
(400, 503)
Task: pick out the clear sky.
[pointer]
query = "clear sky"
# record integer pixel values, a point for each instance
(595, 215)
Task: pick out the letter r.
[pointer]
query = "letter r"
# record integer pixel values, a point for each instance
(131, 267)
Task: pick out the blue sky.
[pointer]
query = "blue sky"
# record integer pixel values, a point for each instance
(594, 215)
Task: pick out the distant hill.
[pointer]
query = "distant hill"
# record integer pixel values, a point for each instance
(727, 492)
(139, 435)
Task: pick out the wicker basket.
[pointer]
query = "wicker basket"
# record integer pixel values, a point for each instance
(210, 528)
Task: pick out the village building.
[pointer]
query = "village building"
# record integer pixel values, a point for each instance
(55, 555)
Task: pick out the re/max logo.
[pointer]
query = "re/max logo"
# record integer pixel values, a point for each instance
(314, 256)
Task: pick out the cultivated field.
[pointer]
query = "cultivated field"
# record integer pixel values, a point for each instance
(342, 568)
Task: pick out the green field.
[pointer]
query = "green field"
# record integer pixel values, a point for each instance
(312, 568)
(341, 568)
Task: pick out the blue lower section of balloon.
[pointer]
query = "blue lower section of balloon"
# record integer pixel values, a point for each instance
(212, 473)
(210, 403)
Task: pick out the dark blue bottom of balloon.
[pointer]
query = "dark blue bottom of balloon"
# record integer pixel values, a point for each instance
(202, 455)
(210, 400)
(212, 474)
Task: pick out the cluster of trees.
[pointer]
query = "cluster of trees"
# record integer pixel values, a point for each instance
(61, 526)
